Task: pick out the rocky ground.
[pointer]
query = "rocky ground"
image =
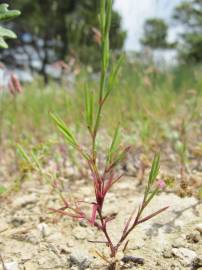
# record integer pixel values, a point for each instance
(31, 238)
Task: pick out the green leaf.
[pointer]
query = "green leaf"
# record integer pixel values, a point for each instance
(6, 14)
(108, 17)
(154, 169)
(153, 193)
(36, 160)
(23, 154)
(3, 44)
(89, 108)
(114, 144)
(120, 156)
(113, 76)
(102, 17)
(5, 33)
(64, 130)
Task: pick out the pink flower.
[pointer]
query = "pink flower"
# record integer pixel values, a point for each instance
(161, 184)
(14, 85)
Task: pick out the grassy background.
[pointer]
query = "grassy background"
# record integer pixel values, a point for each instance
(148, 103)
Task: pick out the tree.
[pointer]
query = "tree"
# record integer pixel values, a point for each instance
(84, 25)
(155, 34)
(189, 14)
(46, 21)
(63, 26)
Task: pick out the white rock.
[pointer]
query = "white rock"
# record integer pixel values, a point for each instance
(198, 227)
(25, 200)
(44, 229)
(11, 266)
(80, 258)
(186, 256)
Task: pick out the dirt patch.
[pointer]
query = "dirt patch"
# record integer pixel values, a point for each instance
(33, 238)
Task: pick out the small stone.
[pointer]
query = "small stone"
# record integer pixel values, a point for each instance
(193, 237)
(198, 227)
(134, 260)
(11, 266)
(167, 253)
(83, 223)
(17, 222)
(25, 200)
(186, 256)
(198, 262)
(80, 258)
(178, 243)
(44, 229)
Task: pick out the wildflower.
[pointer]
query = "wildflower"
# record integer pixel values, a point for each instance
(61, 65)
(161, 184)
(14, 85)
(96, 35)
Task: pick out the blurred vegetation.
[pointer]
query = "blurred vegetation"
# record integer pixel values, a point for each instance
(188, 16)
(152, 101)
(156, 34)
(65, 28)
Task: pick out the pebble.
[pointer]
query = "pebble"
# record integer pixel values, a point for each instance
(25, 200)
(135, 260)
(193, 237)
(44, 229)
(17, 221)
(167, 253)
(186, 256)
(11, 266)
(80, 258)
(179, 243)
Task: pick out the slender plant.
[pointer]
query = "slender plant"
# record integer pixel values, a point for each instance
(103, 180)
(104, 177)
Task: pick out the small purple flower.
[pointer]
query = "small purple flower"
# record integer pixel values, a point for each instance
(161, 184)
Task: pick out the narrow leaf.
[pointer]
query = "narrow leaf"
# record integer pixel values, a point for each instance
(152, 215)
(23, 154)
(64, 130)
(89, 108)
(103, 17)
(37, 162)
(154, 169)
(113, 76)
(114, 144)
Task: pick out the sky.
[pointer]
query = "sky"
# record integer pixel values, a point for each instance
(135, 12)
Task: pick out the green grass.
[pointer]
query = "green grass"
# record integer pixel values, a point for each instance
(146, 101)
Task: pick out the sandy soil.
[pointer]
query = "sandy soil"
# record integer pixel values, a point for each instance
(32, 238)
